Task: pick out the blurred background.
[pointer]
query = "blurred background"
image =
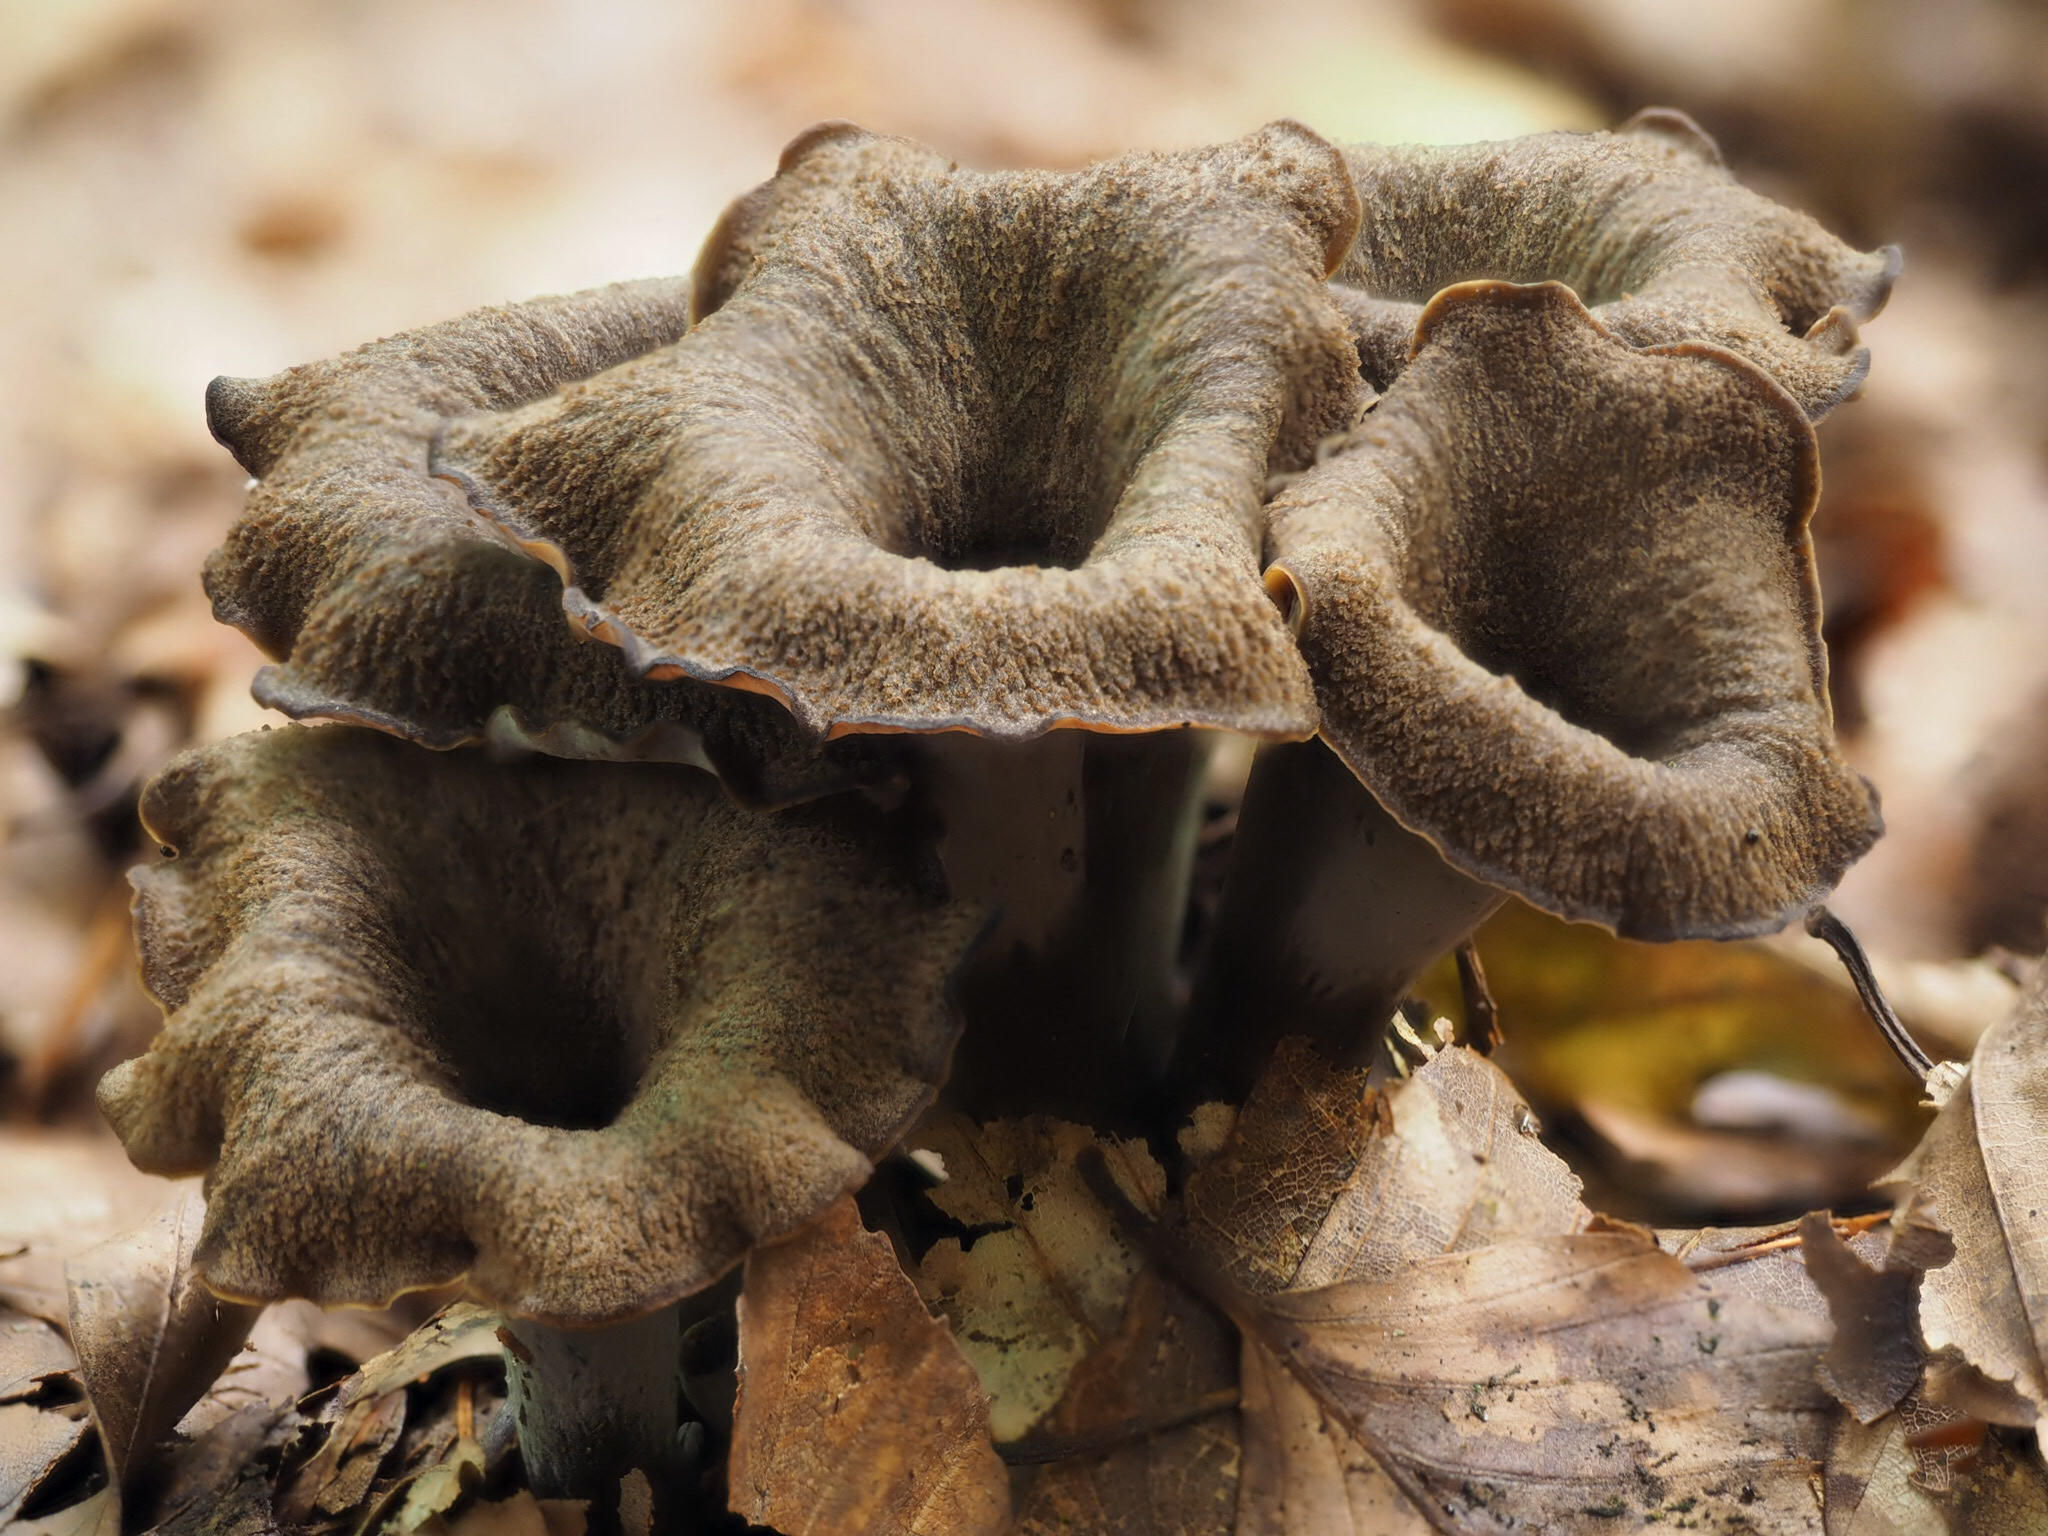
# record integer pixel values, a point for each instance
(195, 187)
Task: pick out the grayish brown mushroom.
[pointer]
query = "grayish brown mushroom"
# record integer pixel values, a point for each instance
(959, 450)
(947, 451)
(390, 604)
(1558, 596)
(1645, 225)
(582, 1034)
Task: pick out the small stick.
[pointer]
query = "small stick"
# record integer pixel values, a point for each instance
(1482, 1013)
(1721, 1258)
(1833, 932)
(1036, 1450)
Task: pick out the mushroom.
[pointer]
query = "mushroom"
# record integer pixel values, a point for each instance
(579, 1034)
(1558, 596)
(389, 604)
(1645, 224)
(979, 454)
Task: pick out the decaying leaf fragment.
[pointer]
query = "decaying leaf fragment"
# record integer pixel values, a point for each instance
(369, 953)
(1436, 1334)
(1982, 1171)
(1462, 1346)
(857, 1416)
(1040, 1280)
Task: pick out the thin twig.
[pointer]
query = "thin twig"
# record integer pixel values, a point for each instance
(1482, 1013)
(1721, 1258)
(1036, 1450)
(1833, 932)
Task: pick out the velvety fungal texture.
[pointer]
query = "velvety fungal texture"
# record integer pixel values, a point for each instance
(1645, 225)
(1559, 600)
(392, 605)
(584, 1033)
(961, 450)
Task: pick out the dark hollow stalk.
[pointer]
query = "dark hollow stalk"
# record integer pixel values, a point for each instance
(1331, 908)
(593, 1404)
(1084, 843)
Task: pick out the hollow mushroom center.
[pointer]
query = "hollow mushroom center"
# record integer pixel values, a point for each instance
(1041, 395)
(524, 1024)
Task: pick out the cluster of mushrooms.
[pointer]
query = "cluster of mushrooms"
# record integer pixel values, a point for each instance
(821, 654)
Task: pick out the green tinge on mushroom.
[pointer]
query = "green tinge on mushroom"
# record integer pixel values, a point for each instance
(584, 1033)
(1559, 600)
(960, 450)
(1644, 224)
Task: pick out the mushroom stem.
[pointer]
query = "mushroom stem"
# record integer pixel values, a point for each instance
(593, 1404)
(1084, 843)
(1330, 910)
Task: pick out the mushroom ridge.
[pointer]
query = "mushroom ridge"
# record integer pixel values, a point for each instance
(1645, 224)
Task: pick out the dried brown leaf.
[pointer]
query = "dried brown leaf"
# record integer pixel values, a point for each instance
(1561, 1382)
(32, 1354)
(1876, 1356)
(461, 1331)
(1323, 1180)
(150, 1337)
(1983, 1165)
(99, 1515)
(857, 1413)
(1474, 1350)
(34, 1443)
(63, 1193)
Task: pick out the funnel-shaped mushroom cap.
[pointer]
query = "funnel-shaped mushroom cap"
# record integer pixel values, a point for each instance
(583, 1033)
(958, 450)
(1559, 601)
(394, 606)
(1645, 225)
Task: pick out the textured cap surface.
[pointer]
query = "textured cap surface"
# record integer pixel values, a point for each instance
(1559, 601)
(1645, 225)
(961, 450)
(392, 605)
(585, 1034)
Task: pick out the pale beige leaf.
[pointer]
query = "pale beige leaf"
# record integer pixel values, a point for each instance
(150, 1337)
(99, 1515)
(63, 1193)
(1561, 1382)
(1043, 1278)
(461, 1331)
(1984, 1166)
(857, 1415)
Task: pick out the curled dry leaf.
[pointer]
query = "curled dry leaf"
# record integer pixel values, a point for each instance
(150, 1338)
(42, 1421)
(1983, 1168)
(1436, 1333)
(1876, 1356)
(1923, 1468)
(857, 1414)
